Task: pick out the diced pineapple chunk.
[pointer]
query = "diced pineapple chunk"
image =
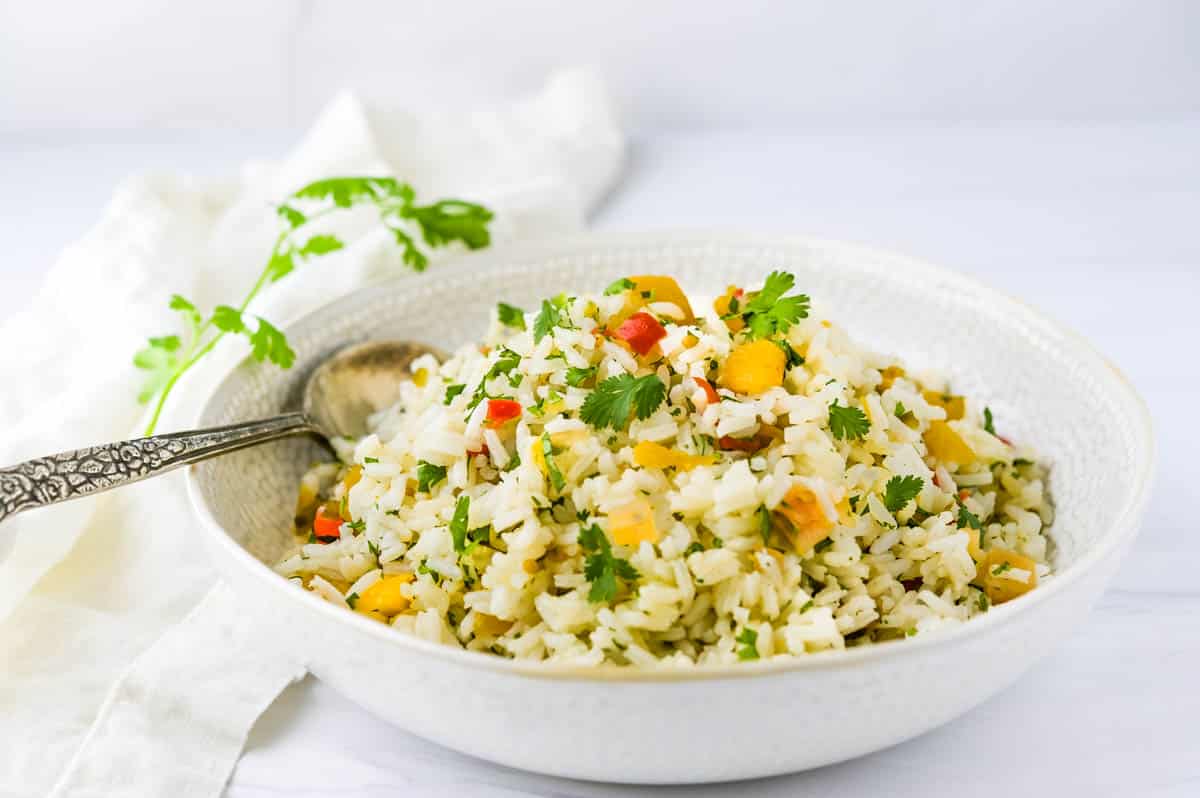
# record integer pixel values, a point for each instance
(632, 523)
(753, 367)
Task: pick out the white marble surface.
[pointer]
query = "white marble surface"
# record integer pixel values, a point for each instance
(1093, 224)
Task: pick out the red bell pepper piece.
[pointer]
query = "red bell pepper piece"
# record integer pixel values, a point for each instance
(709, 390)
(326, 528)
(502, 411)
(641, 331)
(728, 442)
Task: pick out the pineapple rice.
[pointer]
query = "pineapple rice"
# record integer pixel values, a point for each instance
(617, 479)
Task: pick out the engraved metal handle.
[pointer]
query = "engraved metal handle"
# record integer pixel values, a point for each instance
(71, 475)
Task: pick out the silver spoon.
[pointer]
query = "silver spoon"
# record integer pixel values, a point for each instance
(339, 395)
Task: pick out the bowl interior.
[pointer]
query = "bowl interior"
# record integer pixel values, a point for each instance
(1045, 387)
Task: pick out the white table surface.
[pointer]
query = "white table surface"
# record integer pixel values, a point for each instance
(1096, 225)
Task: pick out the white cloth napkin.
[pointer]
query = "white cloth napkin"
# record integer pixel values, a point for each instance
(87, 589)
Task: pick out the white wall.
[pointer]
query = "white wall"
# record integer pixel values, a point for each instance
(730, 62)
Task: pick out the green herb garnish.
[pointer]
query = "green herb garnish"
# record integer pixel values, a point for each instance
(899, 491)
(847, 422)
(611, 403)
(429, 475)
(988, 426)
(577, 376)
(167, 358)
(602, 568)
(763, 517)
(768, 311)
(548, 452)
(619, 286)
(453, 391)
(510, 315)
(748, 638)
(458, 524)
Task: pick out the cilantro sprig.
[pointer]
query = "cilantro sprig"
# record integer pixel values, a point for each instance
(167, 358)
(847, 423)
(748, 644)
(899, 491)
(614, 399)
(768, 311)
(603, 568)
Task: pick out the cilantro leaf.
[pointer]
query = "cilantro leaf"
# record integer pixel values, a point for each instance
(186, 308)
(159, 360)
(410, 253)
(610, 404)
(429, 475)
(510, 315)
(452, 220)
(763, 516)
(619, 286)
(281, 264)
(988, 426)
(748, 638)
(899, 491)
(271, 344)
(293, 217)
(227, 319)
(602, 568)
(577, 376)
(768, 311)
(548, 452)
(966, 518)
(901, 411)
(547, 319)
(319, 245)
(458, 524)
(847, 423)
(453, 391)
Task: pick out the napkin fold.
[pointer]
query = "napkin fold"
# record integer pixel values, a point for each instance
(104, 690)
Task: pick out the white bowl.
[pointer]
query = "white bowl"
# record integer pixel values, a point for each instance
(1046, 387)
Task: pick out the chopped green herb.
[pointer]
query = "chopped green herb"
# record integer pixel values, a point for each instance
(1021, 461)
(458, 524)
(988, 426)
(357, 526)
(847, 422)
(748, 638)
(556, 477)
(453, 391)
(808, 605)
(984, 602)
(602, 568)
(547, 319)
(352, 600)
(793, 357)
(619, 287)
(1001, 568)
(763, 516)
(429, 475)
(692, 548)
(901, 411)
(370, 459)
(910, 632)
(577, 376)
(966, 518)
(510, 316)
(899, 491)
(374, 549)
(611, 403)
(768, 311)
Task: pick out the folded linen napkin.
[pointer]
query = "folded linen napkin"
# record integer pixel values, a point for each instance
(88, 699)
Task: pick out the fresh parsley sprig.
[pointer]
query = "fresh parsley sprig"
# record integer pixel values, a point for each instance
(602, 568)
(167, 358)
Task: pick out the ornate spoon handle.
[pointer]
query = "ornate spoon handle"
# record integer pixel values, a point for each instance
(70, 475)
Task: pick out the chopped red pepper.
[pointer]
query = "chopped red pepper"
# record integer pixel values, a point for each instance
(483, 449)
(325, 528)
(641, 331)
(502, 411)
(709, 391)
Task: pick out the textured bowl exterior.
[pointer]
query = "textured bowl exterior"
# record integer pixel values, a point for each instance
(1046, 387)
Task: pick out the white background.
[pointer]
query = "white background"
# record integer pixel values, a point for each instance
(1051, 149)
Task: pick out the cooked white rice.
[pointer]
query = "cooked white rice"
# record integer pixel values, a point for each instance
(781, 551)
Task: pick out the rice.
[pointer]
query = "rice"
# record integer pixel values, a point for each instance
(768, 491)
